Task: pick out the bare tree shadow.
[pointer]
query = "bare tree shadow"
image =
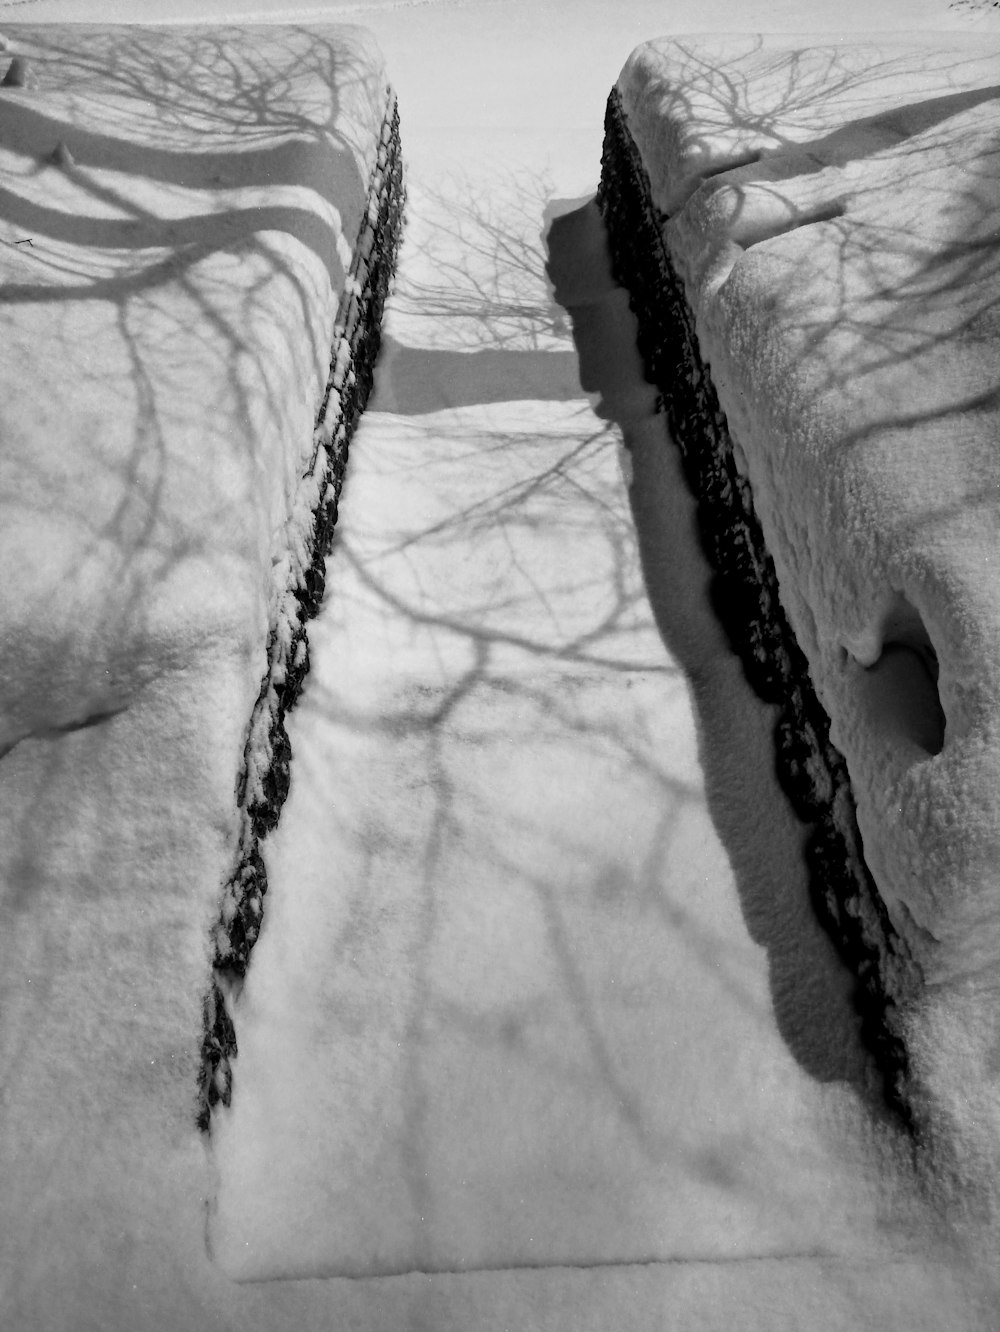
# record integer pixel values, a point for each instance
(810, 990)
(425, 380)
(176, 211)
(114, 234)
(493, 557)
(857, 274)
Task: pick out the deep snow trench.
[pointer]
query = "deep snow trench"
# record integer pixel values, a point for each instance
(503, 931)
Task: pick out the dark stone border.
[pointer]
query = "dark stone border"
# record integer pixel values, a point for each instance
(811, 771)
(263, 781)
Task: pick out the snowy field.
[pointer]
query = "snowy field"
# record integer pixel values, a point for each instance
(540, 1031)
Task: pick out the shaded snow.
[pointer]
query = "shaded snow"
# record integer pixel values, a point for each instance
(166, 339)
(845, 280)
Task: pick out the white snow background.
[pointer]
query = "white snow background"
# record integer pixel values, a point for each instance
(539, 1014)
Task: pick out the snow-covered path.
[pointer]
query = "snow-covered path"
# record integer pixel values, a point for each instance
(517, 1003)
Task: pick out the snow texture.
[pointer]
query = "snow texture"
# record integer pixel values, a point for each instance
(636, 1033)
(503, 1012)
(745, 594)
(299, 573)
(187, 241)
(831, 213)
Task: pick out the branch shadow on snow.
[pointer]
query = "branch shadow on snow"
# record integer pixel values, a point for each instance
(488, 766)
(810, 991)
(155, 314)
(121, 251)
(887, 329)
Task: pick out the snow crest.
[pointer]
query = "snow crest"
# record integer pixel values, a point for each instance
(819, 225)
(299, 580)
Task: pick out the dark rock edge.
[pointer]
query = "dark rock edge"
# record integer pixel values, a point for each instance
(263, 782)
(811, 771)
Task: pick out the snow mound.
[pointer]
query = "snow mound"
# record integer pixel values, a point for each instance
(821, 227)
(178, 219)
(197, 229)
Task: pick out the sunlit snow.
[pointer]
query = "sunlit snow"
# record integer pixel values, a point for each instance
(540, 1031)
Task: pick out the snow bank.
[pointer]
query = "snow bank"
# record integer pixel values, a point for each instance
(830, 215)
(189, 221)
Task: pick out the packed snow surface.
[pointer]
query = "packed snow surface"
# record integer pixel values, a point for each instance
(519, 842)
(832, 212)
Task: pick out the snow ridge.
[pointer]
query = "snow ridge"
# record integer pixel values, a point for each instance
(811, 770)
(263, 783)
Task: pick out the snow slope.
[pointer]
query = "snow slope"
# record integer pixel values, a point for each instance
(841, 261)
(179, 216)
(453, 692)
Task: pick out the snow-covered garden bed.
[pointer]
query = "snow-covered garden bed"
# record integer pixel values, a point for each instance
(540, 1030)
(816, 283)
(198, 229)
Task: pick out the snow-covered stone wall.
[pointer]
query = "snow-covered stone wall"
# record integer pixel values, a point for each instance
(820, 222)
(197, 229)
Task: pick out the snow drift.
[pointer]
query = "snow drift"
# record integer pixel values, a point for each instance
(817, 285)
(194, 224)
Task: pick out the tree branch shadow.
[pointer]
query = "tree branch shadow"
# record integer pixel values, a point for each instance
(505, 573)
(810, 991)
(139, 245)
(857, 276)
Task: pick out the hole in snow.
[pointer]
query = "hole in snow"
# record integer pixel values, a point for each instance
(902, 683)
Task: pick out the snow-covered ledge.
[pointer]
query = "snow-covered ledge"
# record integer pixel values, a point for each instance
(809, 234)
(197, 230)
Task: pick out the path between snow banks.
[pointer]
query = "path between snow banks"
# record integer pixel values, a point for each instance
(506, 1011)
